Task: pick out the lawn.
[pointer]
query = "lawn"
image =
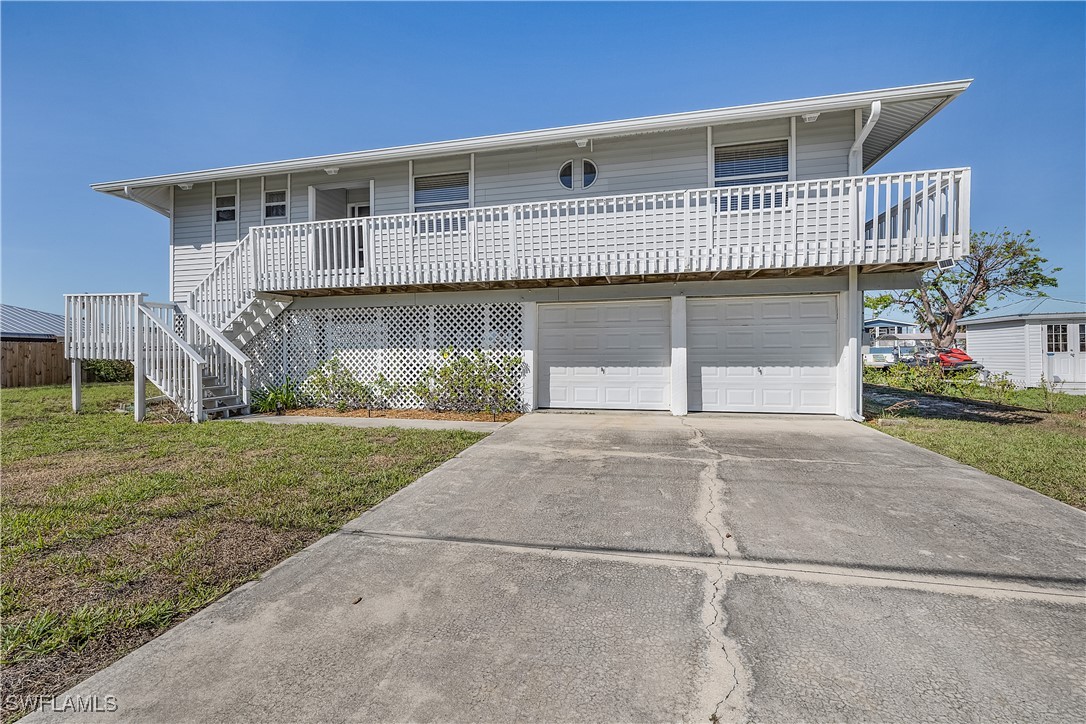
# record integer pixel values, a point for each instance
(113, 531)
(1039, 450)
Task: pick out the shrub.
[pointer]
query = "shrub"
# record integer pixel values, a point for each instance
(275, 399)
(472, 382)
(108, 370)
(332, 384)
(1050, 395)
(1000, 387)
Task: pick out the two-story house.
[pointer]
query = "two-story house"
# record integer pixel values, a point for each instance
(703, 261)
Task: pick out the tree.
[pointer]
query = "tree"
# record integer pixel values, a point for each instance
(998, 264)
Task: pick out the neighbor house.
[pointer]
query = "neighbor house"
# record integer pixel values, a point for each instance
(708, 260)
(1031, 338)
(876, 327)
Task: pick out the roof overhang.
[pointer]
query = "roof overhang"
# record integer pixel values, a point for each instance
(905, 109)
(1032, 317)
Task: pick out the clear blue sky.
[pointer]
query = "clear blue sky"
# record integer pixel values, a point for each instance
(99, 92)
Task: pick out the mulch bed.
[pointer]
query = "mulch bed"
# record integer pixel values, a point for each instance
(406, 414)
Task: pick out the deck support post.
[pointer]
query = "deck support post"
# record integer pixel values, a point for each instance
(679, 403)
(529, 310)
(77, 384)
(139, 380)
(854, 331)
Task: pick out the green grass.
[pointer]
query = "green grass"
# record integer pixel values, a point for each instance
(1042, 451)
(113, 530)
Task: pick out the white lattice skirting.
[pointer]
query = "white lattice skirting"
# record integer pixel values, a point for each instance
(398, 342)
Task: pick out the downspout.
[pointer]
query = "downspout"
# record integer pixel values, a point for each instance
(855, 154)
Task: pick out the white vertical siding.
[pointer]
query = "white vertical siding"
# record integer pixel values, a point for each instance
(1001, 348)
(822, 147)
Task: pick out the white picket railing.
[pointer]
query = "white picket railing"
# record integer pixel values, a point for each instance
(171, 364)
(892, 218)
(229, 288)
(223, 359)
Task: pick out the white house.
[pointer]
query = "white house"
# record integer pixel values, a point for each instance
(708, 260)
(1030, 338)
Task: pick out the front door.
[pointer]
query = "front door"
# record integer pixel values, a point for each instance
(356, 238)
(1060, 353)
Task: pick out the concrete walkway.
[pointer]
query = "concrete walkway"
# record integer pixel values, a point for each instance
(640, 567)
(373, 422)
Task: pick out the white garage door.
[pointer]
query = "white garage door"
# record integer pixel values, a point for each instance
(769, 354)
(606, 355)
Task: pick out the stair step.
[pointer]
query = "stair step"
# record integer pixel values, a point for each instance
(227, 411)
(218, 398)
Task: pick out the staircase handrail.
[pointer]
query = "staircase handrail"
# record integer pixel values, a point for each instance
(210, 330)
(173, 336)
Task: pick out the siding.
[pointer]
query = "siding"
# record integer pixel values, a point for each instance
(633, 164)
(822, 147)
(190, 248)
(1001, 348)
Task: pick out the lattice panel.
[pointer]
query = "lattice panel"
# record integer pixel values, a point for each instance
(398, 342)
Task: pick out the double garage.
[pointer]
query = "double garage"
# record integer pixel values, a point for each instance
(749, 354)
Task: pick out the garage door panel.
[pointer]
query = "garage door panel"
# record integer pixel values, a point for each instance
(774, 354)
(605, 355)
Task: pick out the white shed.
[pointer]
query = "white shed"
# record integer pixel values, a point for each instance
(1030, 338)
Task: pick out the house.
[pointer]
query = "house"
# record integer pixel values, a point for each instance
(1030, 338)
(711, 260)
(877, 327)
(31, 347)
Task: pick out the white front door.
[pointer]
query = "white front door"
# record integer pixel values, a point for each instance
(605, 355)
(763, 354)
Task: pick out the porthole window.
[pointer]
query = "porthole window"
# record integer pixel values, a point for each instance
(565, 175)
(589, 170)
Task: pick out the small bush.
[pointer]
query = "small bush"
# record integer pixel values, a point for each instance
(472, 382)
(108, 370)
(332, 384)
(1000, 387)
(275, 399)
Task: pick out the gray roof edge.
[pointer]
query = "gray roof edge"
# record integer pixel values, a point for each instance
(645, 124)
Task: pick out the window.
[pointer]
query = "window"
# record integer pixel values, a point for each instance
(750, 164)
(358, 210)
(565, 174)
(225, 208)
(1057, 338)
(589, 173)
(275, 204)
(437, 193)
(1082, 338)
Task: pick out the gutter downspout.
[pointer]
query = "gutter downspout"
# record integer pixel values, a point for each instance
(855, 154)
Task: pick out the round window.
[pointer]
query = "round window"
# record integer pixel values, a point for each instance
(565, 175)
(589, 169)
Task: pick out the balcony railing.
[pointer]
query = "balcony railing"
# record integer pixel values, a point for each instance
(887, 219)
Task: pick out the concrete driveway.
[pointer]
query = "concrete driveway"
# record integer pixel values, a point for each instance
(640, 567)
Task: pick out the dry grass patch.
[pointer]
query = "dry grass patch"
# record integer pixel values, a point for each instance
(113, 531)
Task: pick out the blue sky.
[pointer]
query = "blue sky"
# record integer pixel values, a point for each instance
(97, 92)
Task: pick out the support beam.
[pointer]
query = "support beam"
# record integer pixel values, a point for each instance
(679, 402)
(77, 384)
(529, 310)
(854, 330)
(139, 376)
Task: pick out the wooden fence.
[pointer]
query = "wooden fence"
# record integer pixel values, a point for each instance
(29, 363)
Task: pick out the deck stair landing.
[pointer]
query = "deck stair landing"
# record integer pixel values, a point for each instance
(192, 362)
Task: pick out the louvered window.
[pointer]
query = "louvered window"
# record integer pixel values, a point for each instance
(447, 191)
(1082, 338)
(751, 163)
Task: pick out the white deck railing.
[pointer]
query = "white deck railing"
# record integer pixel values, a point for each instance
(820, 223)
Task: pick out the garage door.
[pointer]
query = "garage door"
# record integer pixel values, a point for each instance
(769, 354)
(605, 355)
